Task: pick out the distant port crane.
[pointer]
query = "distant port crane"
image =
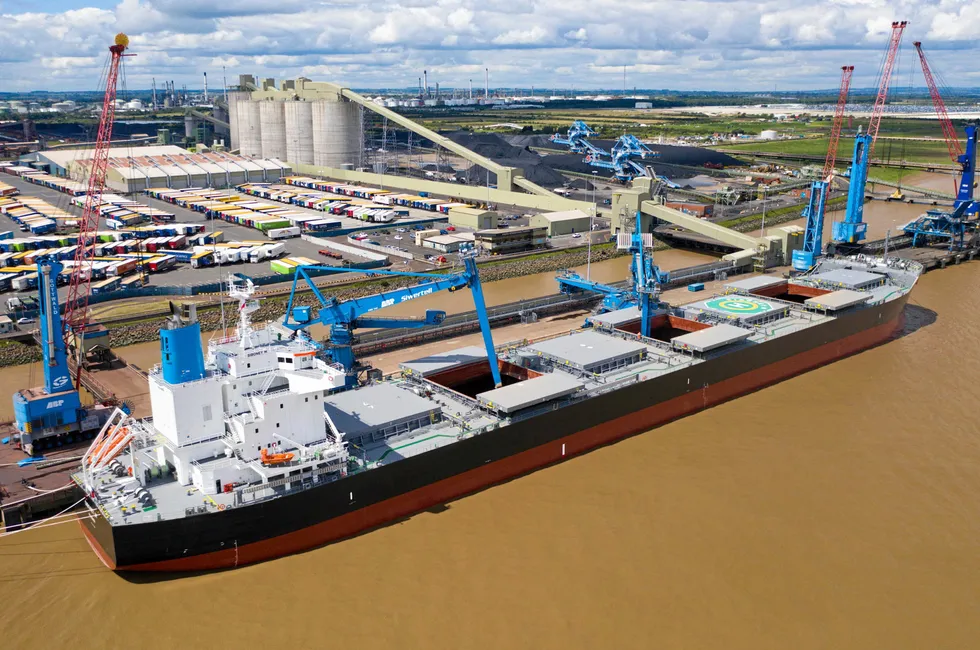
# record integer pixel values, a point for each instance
(852, 230)
(806, 257)
(80, 282)
(966, 160)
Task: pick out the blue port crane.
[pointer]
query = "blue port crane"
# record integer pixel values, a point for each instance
(343, 317)
(850, 232)
(952, 225)
(968, 165)
(646, 279)
(966, 159)
(55, 407)
(812, 248)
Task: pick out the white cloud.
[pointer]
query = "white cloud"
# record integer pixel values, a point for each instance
(534, 35)
(712, 44)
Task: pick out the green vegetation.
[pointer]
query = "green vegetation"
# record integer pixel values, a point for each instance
(794, 210)
(926, 151)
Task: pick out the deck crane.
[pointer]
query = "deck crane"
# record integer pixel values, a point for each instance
(344, 317)
(852, 229)
(966, 159)
(80, 282)
(814, 212)
(647, 279)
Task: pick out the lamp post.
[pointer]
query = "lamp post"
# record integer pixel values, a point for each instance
(588, 263)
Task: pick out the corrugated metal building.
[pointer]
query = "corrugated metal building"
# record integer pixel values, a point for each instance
(472, 218)
(562, 223)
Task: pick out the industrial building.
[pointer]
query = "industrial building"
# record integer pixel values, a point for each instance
(501, 241)
(448, 243)
(133, 169)
(302, 121)
(703, 210)
(562, 223)
(472, 218)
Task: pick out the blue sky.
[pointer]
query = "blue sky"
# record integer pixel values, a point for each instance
(584, 44)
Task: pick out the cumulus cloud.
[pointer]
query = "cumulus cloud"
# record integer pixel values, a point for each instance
(710, 44)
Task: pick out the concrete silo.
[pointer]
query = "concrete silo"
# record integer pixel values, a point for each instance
(336, 133)
(234, 98)
(299, 132)
(272, 132)
(249, 128)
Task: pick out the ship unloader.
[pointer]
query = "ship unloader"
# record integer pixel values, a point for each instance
(260, 451)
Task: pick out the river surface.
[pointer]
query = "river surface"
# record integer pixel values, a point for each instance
(838, 509)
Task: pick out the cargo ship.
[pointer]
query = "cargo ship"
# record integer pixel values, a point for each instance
(256, 449)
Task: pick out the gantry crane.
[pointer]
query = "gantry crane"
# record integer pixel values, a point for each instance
(805, 257)
(80, 283)
(852, 229)
(344, 317)
(966, 159)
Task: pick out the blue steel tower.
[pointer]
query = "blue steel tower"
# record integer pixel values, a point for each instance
(54, 407)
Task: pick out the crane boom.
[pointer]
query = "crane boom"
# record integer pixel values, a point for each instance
(898, 28)
(845, 86)
(949, 133)
(342, 317)
(76, 307)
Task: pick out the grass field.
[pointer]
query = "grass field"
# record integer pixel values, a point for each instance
(886, 150)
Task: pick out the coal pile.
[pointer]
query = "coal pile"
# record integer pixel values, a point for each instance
(491, 146)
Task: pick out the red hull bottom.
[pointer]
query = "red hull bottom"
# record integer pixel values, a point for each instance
(512, 466)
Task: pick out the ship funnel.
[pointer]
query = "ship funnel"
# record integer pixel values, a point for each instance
(181, 353)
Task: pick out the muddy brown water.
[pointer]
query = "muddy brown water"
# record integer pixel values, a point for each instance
(838, 509)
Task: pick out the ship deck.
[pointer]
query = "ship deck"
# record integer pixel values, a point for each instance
(560, 370)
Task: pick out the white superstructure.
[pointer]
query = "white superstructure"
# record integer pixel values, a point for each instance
(260, 400)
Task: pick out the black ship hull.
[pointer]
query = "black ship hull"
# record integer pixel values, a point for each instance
(314, 516)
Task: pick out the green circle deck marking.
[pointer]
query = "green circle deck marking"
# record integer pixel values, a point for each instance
(739, 305)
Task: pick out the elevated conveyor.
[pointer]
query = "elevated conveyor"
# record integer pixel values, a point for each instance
(701, 226)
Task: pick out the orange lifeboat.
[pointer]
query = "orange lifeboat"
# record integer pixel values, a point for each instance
(275, 459)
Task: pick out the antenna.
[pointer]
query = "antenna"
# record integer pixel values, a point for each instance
(486, 83)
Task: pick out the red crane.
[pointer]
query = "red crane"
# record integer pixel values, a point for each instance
(76, 307)
(898, 28)
(845, 86)
(952, 142)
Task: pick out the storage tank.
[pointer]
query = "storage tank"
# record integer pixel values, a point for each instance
(249, 125)
(336, 133)
(299, 132)
(273, 129)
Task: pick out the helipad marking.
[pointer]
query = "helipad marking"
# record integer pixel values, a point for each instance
(739, 305)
